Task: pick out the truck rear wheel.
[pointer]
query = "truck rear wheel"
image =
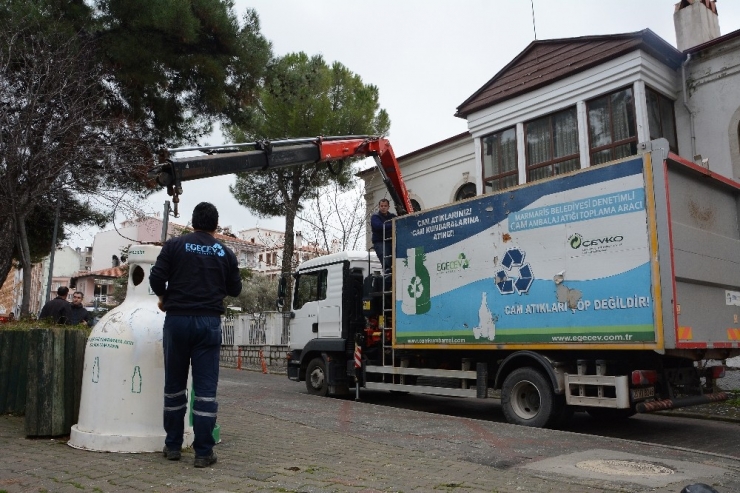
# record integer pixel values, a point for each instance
(528, 399)
(316, 377)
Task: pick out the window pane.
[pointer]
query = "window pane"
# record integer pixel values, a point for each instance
(601, 156)
(653, 109)
(625, 150)
(499, 158)
(510, 181)
(508, 150)
(565, 124)
(668, 119)
(538, 141)
(622, 116)
(611, 119)
(599, 123)
(539, 173)
(566, 166)
(489, 142)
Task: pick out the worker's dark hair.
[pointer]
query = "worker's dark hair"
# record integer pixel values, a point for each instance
(384, 200)
(205, 217)
(82, 295)
(63, 291)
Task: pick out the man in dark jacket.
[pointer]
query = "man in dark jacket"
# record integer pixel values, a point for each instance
(382, 228)
(192, 276)
(79, 314)
(58, 310)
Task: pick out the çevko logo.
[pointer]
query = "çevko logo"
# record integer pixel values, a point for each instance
(577, 241)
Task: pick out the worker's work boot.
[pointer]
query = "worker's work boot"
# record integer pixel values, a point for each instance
(205, 461)
(171, 454)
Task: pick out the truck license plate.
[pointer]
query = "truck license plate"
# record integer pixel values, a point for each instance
(638, 394)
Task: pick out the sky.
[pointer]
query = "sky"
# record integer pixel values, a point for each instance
(426, 57)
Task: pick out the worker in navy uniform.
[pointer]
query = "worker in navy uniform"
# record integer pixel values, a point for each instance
(192, 276)
(382, 229)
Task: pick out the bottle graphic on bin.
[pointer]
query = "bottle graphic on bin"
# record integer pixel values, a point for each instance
(415, 297)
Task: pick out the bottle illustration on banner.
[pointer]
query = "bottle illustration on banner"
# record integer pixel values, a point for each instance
(486, 322)
(416, 285)
(136, 381)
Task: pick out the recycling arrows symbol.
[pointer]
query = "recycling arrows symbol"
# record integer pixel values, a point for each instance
(516, 275)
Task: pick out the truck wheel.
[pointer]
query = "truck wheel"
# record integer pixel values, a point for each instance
(610, 414)
(528, 399)
(316, 377)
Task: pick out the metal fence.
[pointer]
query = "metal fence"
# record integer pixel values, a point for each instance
(263, 329)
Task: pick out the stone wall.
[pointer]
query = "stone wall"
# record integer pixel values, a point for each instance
(248, 357)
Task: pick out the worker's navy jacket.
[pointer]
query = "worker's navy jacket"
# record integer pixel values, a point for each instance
(194, 273)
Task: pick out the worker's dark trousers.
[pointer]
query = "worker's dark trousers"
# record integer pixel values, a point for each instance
(186, 340)
(384, 251)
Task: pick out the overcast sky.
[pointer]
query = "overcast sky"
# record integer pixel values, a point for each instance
(426, 57)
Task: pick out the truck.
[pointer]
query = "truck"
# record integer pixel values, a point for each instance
(613, 290)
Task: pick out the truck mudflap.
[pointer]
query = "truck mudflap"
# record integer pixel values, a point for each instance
(694, 400)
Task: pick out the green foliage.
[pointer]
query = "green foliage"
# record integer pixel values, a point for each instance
(259, 293)
(91, 88)
(177, 65)
(304, 96)
(40, 222)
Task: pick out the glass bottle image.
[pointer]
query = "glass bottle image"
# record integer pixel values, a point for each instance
(416, 284)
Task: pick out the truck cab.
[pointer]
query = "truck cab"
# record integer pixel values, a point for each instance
(326, 316)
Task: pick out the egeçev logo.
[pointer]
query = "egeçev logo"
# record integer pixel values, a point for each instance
(575, 241)
(219, 249)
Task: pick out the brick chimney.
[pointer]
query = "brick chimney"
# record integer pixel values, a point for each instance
(696, 22)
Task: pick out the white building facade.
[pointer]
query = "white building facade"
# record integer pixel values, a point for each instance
(572, 103)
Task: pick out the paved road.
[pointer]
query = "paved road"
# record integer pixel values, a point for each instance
(717, 437)
(277, 438)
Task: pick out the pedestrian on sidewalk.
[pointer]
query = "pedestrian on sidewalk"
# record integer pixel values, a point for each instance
(57, 310)
(78, 313)
(192, 276)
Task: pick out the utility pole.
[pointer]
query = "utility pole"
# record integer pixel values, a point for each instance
(53, 248)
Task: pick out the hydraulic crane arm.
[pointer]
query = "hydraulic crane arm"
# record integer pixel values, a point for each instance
(265, 155)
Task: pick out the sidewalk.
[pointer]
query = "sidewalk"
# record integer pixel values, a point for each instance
(272, 443)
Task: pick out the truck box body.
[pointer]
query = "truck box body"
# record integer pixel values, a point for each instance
(635, 254)
(604, 289)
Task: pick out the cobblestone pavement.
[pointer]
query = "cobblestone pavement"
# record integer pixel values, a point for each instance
(273, 442)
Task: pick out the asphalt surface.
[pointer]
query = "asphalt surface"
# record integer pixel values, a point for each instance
(275, 437)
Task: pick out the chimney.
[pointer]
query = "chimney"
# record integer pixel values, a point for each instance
(696, 22)
(298, 240)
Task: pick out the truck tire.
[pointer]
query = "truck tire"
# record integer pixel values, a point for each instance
(316, 377)
(610, 414)
(528, 399)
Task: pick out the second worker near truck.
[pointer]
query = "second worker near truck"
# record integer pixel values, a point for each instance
(192, 276)
(382, 228)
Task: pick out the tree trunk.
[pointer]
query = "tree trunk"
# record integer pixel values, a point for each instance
(7, 238)
(25, 259)
(288, 248)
